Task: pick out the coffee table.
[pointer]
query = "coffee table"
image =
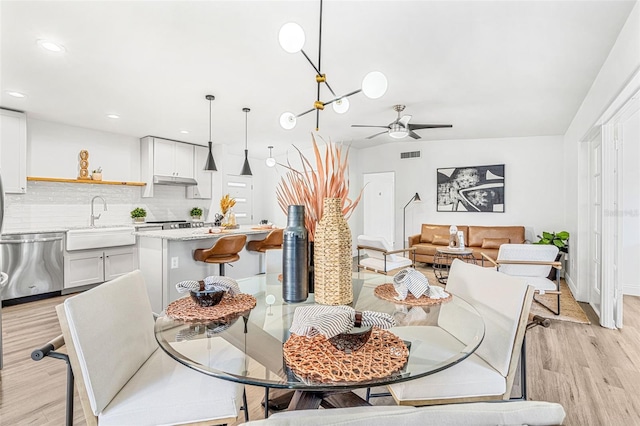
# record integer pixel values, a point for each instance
(256, 340)
(444, 256)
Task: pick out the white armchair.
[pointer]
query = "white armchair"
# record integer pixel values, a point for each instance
(381, 257)
(123, 377)
(533, 263)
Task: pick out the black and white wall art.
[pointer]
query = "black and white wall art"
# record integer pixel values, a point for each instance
(471, 189)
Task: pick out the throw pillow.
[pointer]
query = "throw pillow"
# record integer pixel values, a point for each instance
(494, 243)
(441, 240)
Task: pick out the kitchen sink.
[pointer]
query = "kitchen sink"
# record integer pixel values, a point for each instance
(100, 237)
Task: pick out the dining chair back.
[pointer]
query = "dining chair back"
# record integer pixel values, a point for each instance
(503, 302)
(121, 375)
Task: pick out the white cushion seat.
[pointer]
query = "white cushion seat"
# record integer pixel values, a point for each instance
(161, 391)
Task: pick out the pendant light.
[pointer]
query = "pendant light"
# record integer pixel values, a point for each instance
(210, 165)
(246, 169)
(270, 162)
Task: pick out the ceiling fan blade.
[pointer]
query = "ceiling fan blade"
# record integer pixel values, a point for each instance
(414, 135)
(366, 125)
(404, 120)
(377, 134)
(427, 126)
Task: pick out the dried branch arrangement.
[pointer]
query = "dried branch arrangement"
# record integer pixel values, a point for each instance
(328, 177)
(226, 203)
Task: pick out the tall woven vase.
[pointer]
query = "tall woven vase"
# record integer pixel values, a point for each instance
(332, 256)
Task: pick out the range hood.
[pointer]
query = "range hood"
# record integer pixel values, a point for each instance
(173, 180)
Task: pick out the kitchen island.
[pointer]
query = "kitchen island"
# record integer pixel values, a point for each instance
(166, 258)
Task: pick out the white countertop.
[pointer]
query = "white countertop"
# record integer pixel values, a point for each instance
(197, 233)
(47, 229)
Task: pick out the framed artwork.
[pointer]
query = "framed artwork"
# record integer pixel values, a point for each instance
(471, 189)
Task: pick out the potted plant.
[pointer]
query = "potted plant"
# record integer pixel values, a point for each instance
(97, 174)
(138, 214)
(196, 213)
(559, 239)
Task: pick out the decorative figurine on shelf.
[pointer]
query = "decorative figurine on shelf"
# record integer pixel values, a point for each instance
(84, 165)
(461, 240)
(97, 174)
(453, 237)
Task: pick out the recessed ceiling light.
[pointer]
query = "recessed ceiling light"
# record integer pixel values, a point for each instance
(184, 131)
(51, 46)
(114, 116)
(16, 94)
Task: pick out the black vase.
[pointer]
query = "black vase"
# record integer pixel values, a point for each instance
(311, 267)
(295, 255)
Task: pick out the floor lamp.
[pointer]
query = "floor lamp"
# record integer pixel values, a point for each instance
(404, 219)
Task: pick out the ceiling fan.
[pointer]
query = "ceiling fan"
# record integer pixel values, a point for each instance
(400, 128)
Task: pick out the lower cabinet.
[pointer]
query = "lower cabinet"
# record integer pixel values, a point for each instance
(97, 266)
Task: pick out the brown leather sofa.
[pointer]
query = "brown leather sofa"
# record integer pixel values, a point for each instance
(480, 239)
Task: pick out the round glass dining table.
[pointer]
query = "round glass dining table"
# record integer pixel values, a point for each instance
(248, 348)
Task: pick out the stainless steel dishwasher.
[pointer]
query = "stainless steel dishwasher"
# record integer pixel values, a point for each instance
(33, 263)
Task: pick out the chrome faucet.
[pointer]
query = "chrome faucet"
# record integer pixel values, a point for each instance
(94, 217)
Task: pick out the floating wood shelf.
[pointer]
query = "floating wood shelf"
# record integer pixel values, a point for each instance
(94, 182)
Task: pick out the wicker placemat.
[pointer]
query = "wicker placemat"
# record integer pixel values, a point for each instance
(388, 292)
(315, 359)
(187, 310)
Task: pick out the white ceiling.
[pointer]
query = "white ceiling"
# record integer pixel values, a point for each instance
(492, 69)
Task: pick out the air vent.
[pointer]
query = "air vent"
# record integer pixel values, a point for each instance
(412, 154)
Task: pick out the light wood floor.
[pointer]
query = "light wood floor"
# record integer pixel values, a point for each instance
(593, 372)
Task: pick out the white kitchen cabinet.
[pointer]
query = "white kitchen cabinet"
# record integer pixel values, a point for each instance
(204, 187)
(172, 158)
(13, 151)
(97, 266)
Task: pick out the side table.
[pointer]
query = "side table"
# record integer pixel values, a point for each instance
(444, 256)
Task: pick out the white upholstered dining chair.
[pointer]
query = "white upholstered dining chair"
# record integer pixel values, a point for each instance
(533, 263)
(123, 377)
(381, 257)
(487, 374)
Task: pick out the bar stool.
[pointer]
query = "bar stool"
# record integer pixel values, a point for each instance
(225, 250)
(273, 241)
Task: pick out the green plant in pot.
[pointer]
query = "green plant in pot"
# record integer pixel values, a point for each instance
(196, 213)
(138, 214)
(559, 239)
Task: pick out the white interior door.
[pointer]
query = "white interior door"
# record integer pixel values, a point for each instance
(241, 188)
(378, 204)
(595, 223)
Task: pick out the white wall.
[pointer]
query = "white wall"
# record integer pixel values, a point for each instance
(533, 181)
(53, 151)
(618, 69)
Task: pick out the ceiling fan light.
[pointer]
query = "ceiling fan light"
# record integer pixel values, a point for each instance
(291, 37)
(396, 131)
(341, 105)
(374, 85)
(288, 120)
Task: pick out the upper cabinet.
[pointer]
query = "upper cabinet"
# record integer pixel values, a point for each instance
(204, 187)
(170, 162)
(172, 158)
(13, 151)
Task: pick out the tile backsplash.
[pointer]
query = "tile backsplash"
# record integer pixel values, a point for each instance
(64, 205)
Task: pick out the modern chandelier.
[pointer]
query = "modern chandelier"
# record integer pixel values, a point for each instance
(292, 39)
